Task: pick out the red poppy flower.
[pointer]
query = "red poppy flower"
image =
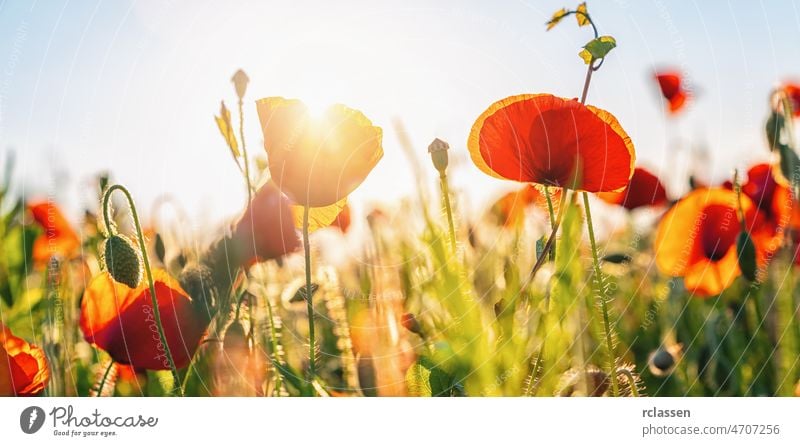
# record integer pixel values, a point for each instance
(58, 239)
(266, 230)
(342, 220)
(644, 189)
(317, 161)
(120, 320)
(544, 139)
(671, 85)
(696, 239)
(23, 366)
(793, 93)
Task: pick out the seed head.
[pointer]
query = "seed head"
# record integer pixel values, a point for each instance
(438, 150)
(240, 81)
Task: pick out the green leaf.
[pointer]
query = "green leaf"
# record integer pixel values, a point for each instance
(773, 129)
(597, 48)
(418, 380)
(790, 163)
(746, 250)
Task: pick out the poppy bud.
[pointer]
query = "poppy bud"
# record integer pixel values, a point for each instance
(198, 281)
(746, 250)
(240, 81)
(438, 150)
(573, 381)
(122, 260)
(410, 323)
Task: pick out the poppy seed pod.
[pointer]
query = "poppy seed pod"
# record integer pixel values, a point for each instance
(438, 150)
(122, 260)
(240, 81)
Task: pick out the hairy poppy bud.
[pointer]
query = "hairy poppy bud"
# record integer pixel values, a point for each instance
(123, 261)
(410, 322)
(573, 382)
(240, 81)
(438, 150)
(198, 281)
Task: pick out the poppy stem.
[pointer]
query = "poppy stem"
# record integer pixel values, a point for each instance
(602, 298)
(102, 384)
(312, 350)
(244, 154)
(146, 259)
(448, 209)
(552, 215)
(548, 246)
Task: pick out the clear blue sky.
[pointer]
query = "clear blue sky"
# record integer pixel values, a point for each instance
(131, 87)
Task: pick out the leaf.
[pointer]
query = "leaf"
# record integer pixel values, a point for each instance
(423, 378)
(746, 250)
(318, 218)
(773, 129)
(582, 15)
(789, 163)
(418, 380)
(597, 48)
(557, 16)
(226, 129)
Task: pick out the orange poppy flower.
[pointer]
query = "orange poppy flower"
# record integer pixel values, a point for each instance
(266, 230)
(644, 189)
(317, 161)
(58, 239)
(793, 93)
(696, 239)
(671, 85)
(342, 220)
(544, 139)
(23, 366)
(509, 210)
(120, 320)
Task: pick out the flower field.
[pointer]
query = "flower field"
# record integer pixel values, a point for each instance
(690, 294)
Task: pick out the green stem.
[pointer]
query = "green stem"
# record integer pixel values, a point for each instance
(448, 209)
(552, 215)
(548, 246)
(105, 377)
(273, 334)
(143, 247)
(312, 351)
(601, 295)
(631, 381)
(244, 154)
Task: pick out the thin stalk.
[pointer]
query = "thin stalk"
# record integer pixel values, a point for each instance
(312, 351)
(552, 215)
(244, 154)
(631, 381)
(598, 277)
(548, 246)
(273, 336)
(105, 377)
(146, 259)
(448, 209)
